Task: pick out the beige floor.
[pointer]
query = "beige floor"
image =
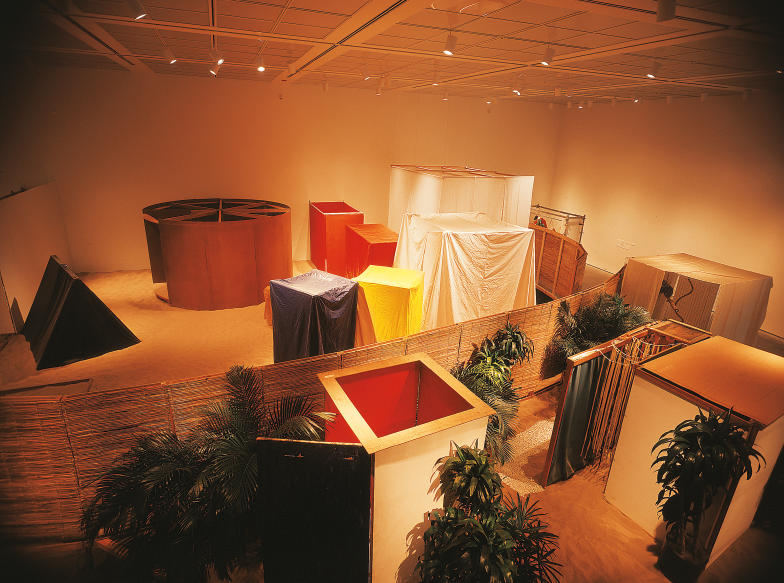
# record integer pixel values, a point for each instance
(598, 543)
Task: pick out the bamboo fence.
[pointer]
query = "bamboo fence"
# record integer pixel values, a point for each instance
(53, 448)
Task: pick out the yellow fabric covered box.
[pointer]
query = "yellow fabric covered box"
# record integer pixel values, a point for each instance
(390, 304)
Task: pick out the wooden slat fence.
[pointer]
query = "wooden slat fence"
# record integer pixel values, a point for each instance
(53, 448)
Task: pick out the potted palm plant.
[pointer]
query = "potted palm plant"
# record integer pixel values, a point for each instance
(696, 460)
(188, 508)
(482, 537)
(488, 374)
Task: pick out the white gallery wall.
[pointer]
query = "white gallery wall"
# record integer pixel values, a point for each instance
(705, 179)
(115, 142)
(699, 178)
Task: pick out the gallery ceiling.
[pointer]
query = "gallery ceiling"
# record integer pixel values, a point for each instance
(603, 49)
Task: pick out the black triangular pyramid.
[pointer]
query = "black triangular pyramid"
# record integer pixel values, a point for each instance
(67, 322)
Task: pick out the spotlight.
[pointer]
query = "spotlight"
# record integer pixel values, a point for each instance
(703, 97)
(292, 68)
(260, 65)
(569, 105)
(380, 81)
(557, 92)
(137, 9)
(215, 68)
(451, 45)
(655, 66)
(516, 90)
(365, 73)
(325, 85)
(580, 105)
(635, 99)
(216, 56)
(446, 96)
(590, 103)
(669, 99)
(167, 52)
(665, 10)
(551, 106)
(378, 90)
(614, 101)
(435, 78)
(549, 53)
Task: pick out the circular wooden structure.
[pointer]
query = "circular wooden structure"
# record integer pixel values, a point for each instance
(218, 253)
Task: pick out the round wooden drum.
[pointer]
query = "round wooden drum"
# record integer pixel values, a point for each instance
(218, 253)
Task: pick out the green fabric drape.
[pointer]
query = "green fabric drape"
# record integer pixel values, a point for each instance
(575, 420)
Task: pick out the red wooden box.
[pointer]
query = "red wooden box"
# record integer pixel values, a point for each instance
(328, 222)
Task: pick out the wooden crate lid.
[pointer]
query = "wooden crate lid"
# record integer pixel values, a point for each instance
(729, 374)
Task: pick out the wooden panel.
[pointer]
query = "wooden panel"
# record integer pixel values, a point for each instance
(231, 265)
(328, 234)
(327, 487)
(185, 261)
(440, 344)
(474, 332)
(272, 237)
(693, 298)
(298, 377)
(374, 352)
(560, 262)
(188, 399)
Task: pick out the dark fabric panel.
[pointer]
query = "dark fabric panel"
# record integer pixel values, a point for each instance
(313, 313)
(315, 514)
(575, 420)
(67, 322)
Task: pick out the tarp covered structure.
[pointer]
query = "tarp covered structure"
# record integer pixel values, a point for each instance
(369, 244)
(67, 322)
(474, 266)
(313, 313)
(394, 303)
(723, 300)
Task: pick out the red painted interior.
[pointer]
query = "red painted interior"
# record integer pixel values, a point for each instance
(337, 431)
(437, 399)
(387, 399)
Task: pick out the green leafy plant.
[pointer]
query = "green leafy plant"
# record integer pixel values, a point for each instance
(604, 318)
(488, 374)
(697, 460)
(480, 538)
(189, 507)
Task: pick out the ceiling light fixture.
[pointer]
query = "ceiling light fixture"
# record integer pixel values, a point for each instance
(746, 94)
(549, 53)
(167, 52)
(590, 103)
(557, 92)
(580, 105)
(435, 78)
(669, 99)
(137, 9)
(380, 81)
(451, 45)
(665, 10)
(614, 101)
(446, 95)
(551, 106)
(325, 85)
(569, 105)
(215, 68)
(655, 66)
(635, 99)
(216, 56)
(365, 73)
(704, 97)
(292, 68)
(378, 90)
(260, 65)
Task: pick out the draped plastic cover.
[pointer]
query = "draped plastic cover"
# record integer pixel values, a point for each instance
(394, 300)
(313, 313)
(739, 308)
(474, 266)
(67, 322)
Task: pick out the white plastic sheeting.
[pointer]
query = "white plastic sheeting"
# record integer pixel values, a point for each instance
(426, 190)
(474, 265)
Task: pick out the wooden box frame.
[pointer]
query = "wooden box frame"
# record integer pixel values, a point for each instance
(328, 220)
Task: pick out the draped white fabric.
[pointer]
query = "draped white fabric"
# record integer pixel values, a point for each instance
(741, 303)
(474, 265)
(503, 198)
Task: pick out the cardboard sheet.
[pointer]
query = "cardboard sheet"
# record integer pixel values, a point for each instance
(729, 374)
(394, 300)
(474, 266)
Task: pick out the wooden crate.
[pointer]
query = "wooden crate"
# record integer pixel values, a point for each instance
(560, 263)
